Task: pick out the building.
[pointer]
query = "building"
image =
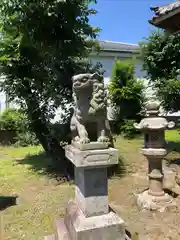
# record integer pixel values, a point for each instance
(116, 50)
(167, 17)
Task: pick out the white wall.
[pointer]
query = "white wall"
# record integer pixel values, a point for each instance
(108, 61)
(2, 101)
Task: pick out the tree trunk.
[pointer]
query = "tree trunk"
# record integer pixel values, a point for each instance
(43, 133)
(50, 144)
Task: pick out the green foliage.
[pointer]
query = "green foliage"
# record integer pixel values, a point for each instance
(43, 44)
(16, 121)
(161, 55)
(169, 94)
(25, 139)
(128, 130)
(12, 120)
(161, 60)
(125, 91)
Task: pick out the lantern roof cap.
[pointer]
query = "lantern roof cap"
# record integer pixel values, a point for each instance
(153, 121)
(152, 108)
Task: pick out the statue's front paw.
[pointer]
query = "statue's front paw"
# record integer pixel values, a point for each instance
(84, 140)
(76, 139)
(103, 139)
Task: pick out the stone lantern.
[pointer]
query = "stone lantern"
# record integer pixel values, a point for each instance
(154, 150)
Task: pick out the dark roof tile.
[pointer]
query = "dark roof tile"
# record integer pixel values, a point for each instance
(162, 10)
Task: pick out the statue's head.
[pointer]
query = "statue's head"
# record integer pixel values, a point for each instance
(88, 91)
(86, 80)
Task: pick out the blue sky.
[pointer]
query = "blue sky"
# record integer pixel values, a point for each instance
(124, 20)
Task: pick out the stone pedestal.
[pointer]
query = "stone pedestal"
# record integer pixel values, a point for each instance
(88, 216)
(91, 193)
(155, 198)
(155, 172)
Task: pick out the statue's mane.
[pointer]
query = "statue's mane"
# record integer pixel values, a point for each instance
(99, 96)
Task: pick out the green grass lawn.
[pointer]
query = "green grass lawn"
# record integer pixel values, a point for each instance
(173, 135)
(173, 138)
(40, 199)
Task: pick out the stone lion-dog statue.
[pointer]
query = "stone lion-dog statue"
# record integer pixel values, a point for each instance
(90, 106)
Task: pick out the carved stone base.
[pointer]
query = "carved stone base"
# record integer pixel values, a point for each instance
(75, 226)
(91, 158)
(90, 146)
(160, 203)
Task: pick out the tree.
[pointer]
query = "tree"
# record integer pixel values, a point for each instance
(43, 44)
(126, 92)
(161, 60)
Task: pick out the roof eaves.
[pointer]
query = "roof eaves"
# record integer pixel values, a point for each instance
(156, 20)
(121, 50)
(165, 9)
(118, 46)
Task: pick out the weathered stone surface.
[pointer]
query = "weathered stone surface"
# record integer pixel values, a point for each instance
(160, 203)
(62, 231)
(92, 158)
(91, 193)
(90, 146)
(105, 227)
(154, 152)
(50, 237)
(90, 106)
(169, 179)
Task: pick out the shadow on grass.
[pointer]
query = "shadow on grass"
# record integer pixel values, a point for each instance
(7, 201)
(173, 147)
(44, 165)
(175, 161)
(171, 193)
(173, 150)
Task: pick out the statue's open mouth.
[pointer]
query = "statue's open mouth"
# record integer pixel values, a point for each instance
(80, 85)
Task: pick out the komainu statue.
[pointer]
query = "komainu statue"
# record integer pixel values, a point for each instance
(90, 108)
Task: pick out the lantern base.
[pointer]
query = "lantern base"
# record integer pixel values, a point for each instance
(155, 203)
